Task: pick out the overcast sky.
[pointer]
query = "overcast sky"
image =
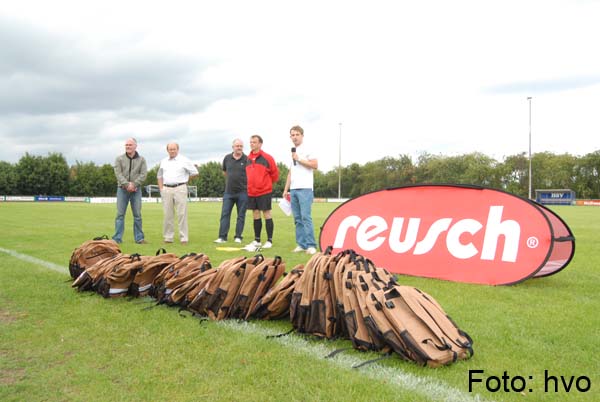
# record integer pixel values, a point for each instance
(403, 77)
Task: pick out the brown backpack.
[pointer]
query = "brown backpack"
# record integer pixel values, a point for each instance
(178, 286)
(143, 279)
(96, 274)
(199, 283)
(229, 286)
(210, 297)
(275, 303)
(120, 277)
(364, 282)
(322, 306)
(89, 252)
(343, 261)
(159, 289)
(379, 324)
(354, 313)
(312, 306)
(255, 284)
(302, 295)
(423, 330)
(349, 260)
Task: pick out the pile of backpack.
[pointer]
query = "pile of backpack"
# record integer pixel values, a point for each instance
(347, 296)
(230, 290)
(341, 295)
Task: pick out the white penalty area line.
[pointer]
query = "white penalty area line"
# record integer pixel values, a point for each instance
(36, 261)
(432, 389)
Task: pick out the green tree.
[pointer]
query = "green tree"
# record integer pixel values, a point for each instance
(384, 173)
(8, 179)
(50, 175)
(29, 172)
(210, 181)
(57, 174)
(150, 180)
(472, 169)
(151, 177)
(553, 171)
(84, 177)
(431, 169)
(478, 169)
(513, 174)
(323, 186)
(87, 179)
(349, 183)
(107, 181)
(37, 175)
(279, 185)
(587, 176)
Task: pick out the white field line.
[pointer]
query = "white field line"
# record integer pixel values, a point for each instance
(432, 389)
(407, 382)
(37, 261)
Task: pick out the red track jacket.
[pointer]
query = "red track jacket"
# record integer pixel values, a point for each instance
(262, 172)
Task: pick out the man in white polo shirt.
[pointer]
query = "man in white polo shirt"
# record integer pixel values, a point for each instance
(173, 175)
(299, 185)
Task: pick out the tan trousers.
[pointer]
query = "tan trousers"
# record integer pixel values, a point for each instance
(175, 199)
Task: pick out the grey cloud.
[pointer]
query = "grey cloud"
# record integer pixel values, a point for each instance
(44, 73)
(59, 93)
(544, 86)
(200, 147)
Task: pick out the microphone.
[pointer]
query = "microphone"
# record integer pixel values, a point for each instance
(294, 151)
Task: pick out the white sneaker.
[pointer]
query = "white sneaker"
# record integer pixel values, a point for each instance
(311, 250)
(267, 244)
(238, 240)
(219, 240)
(253, 246)
(298, 249)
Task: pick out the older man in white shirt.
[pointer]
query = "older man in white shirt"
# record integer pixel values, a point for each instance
(173, 175)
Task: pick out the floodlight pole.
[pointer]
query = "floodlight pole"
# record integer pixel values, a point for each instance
(340, 165)
(529, 99)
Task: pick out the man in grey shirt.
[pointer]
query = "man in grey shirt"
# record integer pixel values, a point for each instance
(130, 171)
(236, 191)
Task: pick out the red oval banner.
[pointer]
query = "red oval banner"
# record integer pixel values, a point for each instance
(457, 233)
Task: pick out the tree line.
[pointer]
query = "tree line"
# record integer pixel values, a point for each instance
(51, 175)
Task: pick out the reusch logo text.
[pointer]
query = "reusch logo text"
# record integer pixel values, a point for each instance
(370, 235)
(464, 234)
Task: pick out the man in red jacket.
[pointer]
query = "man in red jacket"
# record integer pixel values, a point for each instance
(262, 172)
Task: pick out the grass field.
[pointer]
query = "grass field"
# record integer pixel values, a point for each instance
(60, 345)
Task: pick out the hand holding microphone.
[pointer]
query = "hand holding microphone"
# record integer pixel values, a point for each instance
(294, 151)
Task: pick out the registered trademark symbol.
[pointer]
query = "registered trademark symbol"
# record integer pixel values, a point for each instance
(532, 242)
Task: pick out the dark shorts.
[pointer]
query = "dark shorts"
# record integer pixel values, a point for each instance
(262, 202)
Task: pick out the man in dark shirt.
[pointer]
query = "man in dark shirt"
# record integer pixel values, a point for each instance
(234, 169)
